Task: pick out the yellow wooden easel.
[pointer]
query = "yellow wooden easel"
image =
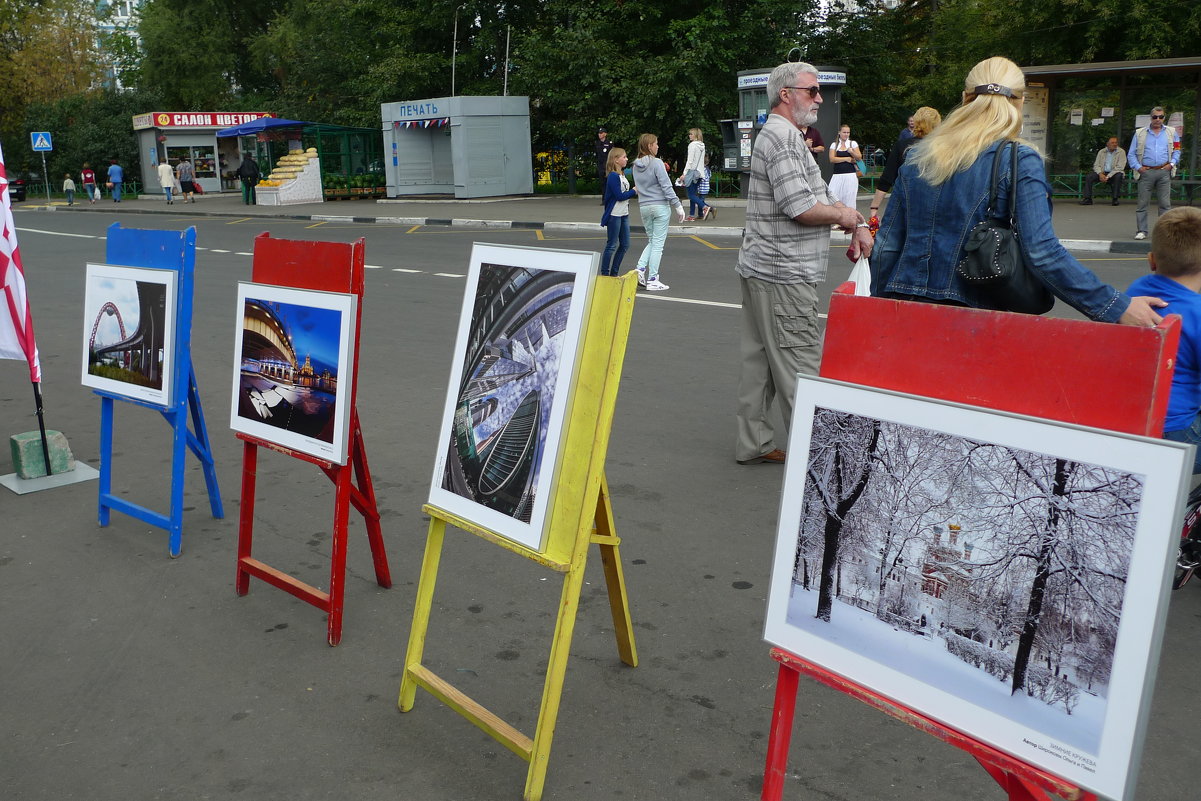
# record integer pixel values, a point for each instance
(580, 515)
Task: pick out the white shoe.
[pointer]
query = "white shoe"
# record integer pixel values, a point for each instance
(1141, 235)
(656, 286)
(641, 276)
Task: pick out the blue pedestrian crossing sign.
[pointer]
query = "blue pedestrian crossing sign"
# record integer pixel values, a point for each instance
(41, 141)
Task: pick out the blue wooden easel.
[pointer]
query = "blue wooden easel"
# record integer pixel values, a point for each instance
(166, 250)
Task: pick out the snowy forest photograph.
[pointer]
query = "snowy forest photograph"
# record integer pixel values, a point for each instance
(993, 573)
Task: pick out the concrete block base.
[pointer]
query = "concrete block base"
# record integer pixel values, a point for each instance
(27, 454)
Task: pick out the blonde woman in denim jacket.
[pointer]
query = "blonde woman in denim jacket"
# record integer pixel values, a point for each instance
(942, 193)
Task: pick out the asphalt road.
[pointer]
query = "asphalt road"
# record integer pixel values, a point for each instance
(129, 675)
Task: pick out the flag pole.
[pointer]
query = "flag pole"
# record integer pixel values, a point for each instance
(37, 396)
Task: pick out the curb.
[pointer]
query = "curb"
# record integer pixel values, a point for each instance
(1083, 245)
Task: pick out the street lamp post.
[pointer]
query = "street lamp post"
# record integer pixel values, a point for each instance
(454, 49)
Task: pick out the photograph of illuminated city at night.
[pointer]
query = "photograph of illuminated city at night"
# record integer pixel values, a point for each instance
(291, 356)
(515, 354)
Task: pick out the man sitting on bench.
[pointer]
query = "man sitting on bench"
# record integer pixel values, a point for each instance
(1108, 168)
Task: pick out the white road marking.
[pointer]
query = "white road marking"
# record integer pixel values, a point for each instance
(647, 296)
(57, 233)
(450, 275)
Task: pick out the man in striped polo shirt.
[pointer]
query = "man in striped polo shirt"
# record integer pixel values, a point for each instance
(784, 253)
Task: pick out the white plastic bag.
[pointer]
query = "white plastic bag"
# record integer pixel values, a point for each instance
(861, 275)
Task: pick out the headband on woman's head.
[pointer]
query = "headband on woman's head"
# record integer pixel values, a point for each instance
(993, 89)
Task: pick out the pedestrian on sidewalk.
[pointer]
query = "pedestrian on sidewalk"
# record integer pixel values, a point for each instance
(69, 189)
(116, 177)
(693, 173)
(844, 182)
(703, 186)
(925, 120)
(249, 172)
(783, 258)
(186, 176)
(601, 147)
(942, 193)
(656, 198)
(616, 217)
(1154, 154)
(87, 176)
(166, 179)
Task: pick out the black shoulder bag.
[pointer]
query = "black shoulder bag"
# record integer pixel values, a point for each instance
(992, 255)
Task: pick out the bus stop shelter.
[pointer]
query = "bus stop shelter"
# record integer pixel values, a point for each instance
(1072, 109)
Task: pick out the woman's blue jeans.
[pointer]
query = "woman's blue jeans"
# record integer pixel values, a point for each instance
(617, 244)
(696, 202)
(1191, 434)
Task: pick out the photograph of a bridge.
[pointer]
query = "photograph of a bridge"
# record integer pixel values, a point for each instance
(1004, 575)
(293, 355)
(129, 331)
(514, 366)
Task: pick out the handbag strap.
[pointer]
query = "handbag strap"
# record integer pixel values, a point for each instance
(1013, 180)
(992, 188)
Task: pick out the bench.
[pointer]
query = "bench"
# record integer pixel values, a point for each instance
(1187, 186)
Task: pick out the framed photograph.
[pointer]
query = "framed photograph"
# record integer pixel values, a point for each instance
(1004, 575)
(129, 331)
(293, 360)
(513, 370)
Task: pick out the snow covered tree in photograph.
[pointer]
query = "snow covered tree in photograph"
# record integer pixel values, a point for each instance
(841, 457)
(1070, 528)
(1016, 561)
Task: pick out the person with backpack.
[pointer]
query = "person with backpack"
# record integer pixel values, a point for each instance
(1154, 154)
(249, 173)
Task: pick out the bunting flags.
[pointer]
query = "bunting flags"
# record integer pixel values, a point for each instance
(16, 323)
(433, 123)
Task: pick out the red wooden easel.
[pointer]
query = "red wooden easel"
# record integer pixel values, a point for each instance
(1093, 374)
(327, 267)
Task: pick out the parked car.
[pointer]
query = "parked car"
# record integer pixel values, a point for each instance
(16, 189)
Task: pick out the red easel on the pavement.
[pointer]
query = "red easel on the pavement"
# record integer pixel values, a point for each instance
(326, 267)
(1105, 376)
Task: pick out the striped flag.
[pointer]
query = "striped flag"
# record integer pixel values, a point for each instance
(16, 323)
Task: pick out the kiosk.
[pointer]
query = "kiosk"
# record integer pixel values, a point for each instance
(738, 134)
(172, 135)
(465, 146)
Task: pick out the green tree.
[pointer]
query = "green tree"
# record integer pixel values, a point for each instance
(198, 53)
(92, 127)
(47, 52)
(661, 67)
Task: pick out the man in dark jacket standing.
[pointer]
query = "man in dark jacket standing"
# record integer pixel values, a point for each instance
(249, 173)
(602, 146)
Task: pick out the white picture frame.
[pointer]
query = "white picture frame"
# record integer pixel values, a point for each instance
(948, 662)
(293, 368)
(545, 293)
(133, 307)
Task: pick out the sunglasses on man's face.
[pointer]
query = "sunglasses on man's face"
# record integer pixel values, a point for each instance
(813, 91)
(1157, 116)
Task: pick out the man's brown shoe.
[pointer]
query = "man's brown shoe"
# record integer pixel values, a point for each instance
(774, 457)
